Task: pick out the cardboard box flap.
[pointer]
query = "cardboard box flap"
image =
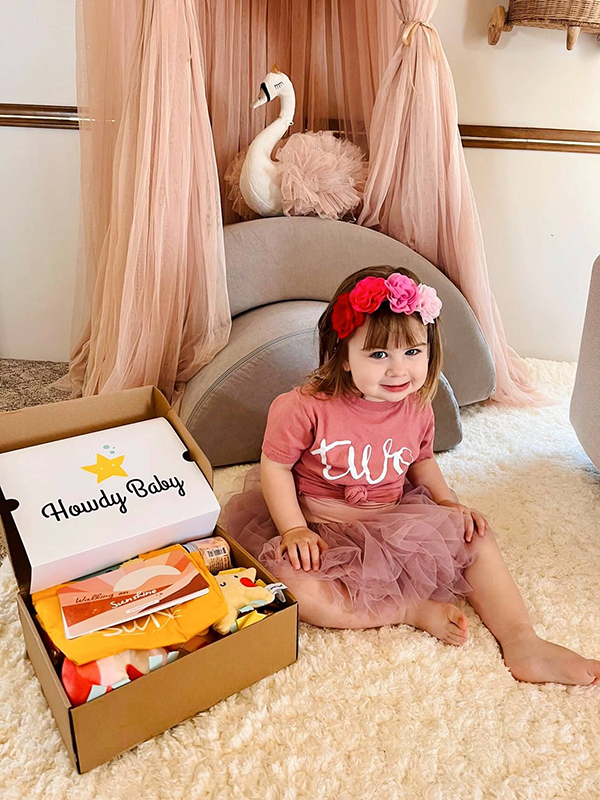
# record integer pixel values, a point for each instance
(13, 544)
(53, 421)
(41, 425)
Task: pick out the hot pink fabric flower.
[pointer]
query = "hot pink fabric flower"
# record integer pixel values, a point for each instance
(369, 294)
(403, 293)
(429, 305)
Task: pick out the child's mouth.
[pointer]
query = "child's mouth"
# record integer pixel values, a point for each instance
(401, 388)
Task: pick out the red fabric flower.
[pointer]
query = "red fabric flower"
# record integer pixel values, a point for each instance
(369, 294)
(344, 318)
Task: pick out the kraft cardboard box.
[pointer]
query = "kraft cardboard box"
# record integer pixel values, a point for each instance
(99, 730)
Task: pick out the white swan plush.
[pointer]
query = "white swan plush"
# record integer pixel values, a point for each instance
(312, 173)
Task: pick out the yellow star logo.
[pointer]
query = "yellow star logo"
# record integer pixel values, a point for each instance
(106, 467)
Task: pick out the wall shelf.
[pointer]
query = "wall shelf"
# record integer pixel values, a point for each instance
(572, 16)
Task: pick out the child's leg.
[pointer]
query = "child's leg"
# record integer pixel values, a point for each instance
(318, 606)
(497, 601)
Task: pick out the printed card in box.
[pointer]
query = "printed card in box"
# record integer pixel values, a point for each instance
(92, 501)
(135, 589)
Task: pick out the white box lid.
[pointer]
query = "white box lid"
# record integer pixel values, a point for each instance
(90, 501)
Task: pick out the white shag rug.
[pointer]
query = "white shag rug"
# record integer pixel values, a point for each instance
(389, 713)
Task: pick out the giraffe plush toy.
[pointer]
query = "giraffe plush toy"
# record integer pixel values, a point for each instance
(241, 593)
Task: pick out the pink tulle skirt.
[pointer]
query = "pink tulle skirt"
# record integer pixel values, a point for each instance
(382, 557)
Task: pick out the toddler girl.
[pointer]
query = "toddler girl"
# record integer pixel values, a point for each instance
(348, 506)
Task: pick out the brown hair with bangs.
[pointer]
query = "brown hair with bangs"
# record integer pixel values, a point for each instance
(332, 379)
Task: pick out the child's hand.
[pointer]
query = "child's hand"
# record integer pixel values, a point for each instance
(302, 544)
(474, 521)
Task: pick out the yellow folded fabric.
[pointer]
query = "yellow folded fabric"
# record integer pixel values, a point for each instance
(163, 628)
(249, 619)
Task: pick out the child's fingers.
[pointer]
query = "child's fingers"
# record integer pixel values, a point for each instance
(322, 544)
(314, 554)
(469, 527)
(293, 555)
(480, 523)
(305, 555)
(283, 546)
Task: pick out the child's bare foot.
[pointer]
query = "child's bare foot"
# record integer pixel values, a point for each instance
(442, 620)
(535, 660)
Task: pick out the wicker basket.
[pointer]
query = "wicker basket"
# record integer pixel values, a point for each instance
(555, 13)
(573, 16)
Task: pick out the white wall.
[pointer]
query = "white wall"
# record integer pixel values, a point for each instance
(540, 215)
(39, 222)
(39, 183)
(540, 212)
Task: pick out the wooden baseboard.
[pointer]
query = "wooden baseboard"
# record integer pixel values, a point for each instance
(484, 136)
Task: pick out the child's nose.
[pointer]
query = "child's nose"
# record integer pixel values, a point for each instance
(396, 372)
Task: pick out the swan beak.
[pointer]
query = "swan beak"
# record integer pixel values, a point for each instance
(262, 99)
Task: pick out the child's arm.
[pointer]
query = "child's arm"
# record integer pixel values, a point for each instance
(279, 490)
(427, 473)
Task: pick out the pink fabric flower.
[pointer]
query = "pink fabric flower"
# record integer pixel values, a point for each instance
(368, 294)
(403, 293)
(429, 305)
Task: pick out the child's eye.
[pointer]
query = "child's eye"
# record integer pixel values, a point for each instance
(377, 353)
(413, 351)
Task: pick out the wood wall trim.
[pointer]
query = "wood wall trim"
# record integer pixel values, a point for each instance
(549, 139)
(19, 115)
(483, 136)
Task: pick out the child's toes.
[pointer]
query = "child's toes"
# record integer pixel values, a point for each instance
(593, 667)
(456, 639)
(458, 618)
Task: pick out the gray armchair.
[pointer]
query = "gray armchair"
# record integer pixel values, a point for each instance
(585, 406)
(281, 272)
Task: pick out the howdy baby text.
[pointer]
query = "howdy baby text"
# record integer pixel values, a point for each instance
(135, 486)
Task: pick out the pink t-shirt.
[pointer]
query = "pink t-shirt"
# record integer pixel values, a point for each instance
(347, 447)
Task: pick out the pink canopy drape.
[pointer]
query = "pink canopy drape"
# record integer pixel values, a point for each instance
(418, 189)
(152, 297)
(334, 51)
(166, 87)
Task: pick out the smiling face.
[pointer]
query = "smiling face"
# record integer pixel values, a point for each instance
(392, 372)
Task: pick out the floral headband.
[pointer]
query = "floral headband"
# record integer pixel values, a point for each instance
(402, 293)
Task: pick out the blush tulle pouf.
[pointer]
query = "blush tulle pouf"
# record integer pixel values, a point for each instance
(318, 173)
(382, 557)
